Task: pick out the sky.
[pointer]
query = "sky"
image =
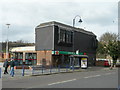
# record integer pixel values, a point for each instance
(98, 16)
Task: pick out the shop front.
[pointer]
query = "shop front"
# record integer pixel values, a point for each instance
(26, 58)
(64, 58)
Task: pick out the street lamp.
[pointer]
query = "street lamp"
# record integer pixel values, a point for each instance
(7, 42)
(80, 20)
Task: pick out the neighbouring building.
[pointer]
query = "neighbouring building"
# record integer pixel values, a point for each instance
(55, 42)
(26, 54)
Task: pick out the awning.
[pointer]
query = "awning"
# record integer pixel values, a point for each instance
(78, 56)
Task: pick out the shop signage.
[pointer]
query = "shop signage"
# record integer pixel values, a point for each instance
(66, 53)
(83, 62)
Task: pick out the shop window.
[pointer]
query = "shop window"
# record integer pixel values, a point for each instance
(18, 58)
(30, 59)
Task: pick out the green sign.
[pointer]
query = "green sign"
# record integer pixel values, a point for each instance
(65, 53)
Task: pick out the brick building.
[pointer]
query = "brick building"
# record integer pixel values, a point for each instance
(55, 42)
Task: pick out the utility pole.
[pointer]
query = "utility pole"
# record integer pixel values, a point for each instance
(7, 51)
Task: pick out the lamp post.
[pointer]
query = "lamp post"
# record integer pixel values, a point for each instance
(7, 42)
(80, 20)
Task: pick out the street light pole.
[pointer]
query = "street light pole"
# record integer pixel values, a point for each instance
(80, 20)
(7, 42)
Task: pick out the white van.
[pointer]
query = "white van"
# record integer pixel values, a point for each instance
(118, 63)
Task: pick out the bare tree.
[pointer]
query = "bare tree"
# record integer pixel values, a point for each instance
(106, 37)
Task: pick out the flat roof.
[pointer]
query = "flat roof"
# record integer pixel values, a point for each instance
(64, 26)
(26, 48)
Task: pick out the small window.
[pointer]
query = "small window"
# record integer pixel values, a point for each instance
(62, 35)
(69, 37)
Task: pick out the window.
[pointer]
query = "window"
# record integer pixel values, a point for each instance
(94, 44)
(65, 36)
(30, 58)
(18, 58)
(69, 37)
(61, 35)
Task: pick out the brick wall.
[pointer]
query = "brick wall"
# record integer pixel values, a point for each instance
(44, 57)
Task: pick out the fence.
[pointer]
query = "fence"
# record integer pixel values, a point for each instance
(43, 70)
(40, 70)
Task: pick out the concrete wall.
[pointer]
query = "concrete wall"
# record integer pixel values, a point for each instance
(44, 38)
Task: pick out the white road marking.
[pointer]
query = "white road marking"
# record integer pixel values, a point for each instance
(108, 73)
(62, 82)
(92, 76)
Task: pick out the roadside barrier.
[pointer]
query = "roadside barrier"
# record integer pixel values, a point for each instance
(58, 68)
(23, 70)
(73, 67)
(66, 68)
(0, 73)
(50, 69)
(33, 70)
(41, 70)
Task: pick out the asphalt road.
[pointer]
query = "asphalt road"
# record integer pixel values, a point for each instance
(86, 79)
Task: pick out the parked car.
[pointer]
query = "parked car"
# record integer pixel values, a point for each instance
(103, 62)
(118, 63)
(106, 63)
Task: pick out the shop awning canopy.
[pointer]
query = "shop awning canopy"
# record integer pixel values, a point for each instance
(78, 56)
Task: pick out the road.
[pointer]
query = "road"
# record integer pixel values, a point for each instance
(104, 78)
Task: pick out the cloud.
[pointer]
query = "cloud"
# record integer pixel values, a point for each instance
(24, 15)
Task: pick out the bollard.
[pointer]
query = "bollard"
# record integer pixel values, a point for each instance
(23, 70)
(58, 68)
(50, 69)
(42, 69)
(66, 68)
(73, 67)
(0, 73)
(33, 70)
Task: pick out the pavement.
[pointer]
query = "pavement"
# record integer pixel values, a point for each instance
(93, 77)
(29, 72)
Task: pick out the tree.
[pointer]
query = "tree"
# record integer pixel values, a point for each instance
(114, 50)
(106, 37)
(101, 50)
(109, 45)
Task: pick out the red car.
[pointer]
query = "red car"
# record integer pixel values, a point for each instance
(106, 64)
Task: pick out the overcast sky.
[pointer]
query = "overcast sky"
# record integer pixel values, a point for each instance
(24, 15)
